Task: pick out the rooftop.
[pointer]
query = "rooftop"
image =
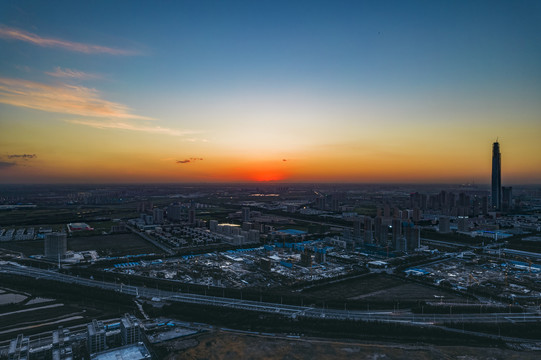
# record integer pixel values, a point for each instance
(130, 352)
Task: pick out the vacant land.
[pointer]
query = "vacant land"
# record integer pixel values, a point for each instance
(29, 314)
(224, 345)
(381, 287)
(30, 247)
(58, 216)
(43, 305)
(107, 245)
(113, 245)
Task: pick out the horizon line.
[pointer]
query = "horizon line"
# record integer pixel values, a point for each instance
(272, 182)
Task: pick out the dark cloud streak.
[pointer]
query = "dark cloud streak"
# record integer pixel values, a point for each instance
(22, 156)
(6, 164)
(186, 161)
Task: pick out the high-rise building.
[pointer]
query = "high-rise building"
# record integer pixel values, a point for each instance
(245, 214)
(357, 233)
(348, 238)
(143, 206)
(484, 205)
(130, 330)
(253, 236)
(378, 230)
(191, 215)
(55, 245)
(19, 348)
(386, 210)
(413, 237)
(416, 215)
(246, 226)
(507, 198)
(463, 223)
(335, 204)
(95, 337)
(174, 212)
(368, 235)
(496, 177)
(157, 216)
(397, 233)
(444, 224)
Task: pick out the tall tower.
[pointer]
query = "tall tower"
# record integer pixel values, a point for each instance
(496, 177)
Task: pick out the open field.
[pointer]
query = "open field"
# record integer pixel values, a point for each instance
(58, 216)
(113, 245)
(110, 245)
(34, 314)
(47, 305)
(30, 247)
(226, 345)
(380, 287)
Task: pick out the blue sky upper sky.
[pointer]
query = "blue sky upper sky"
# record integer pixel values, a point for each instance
(249, 83)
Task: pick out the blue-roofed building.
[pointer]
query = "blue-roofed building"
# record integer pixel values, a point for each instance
(292, 232)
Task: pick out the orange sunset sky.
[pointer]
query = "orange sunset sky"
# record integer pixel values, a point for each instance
(307, 91)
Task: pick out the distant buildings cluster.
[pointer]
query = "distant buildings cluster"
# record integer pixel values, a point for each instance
(118, 340)
(394, 233)
(21, 234)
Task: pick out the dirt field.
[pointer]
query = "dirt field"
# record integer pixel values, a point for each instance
(223, 345)
(36, 313)
(112, 245)
(120, 244)
(33, 314)
(32, 247)
(411, 291)
(381, 287)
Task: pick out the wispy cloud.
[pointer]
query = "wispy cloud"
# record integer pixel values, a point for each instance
(15, 160)
(123, 125)
(23, 68)
(6, 164)
(21, 35)
(62, 98)
(78, 100)
(186, 161)
(22, 156)
(196, 140)
(72, 74)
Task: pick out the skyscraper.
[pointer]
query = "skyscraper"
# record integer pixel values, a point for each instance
(496, 177)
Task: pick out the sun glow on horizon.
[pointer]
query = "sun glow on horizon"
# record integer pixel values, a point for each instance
(346, 92)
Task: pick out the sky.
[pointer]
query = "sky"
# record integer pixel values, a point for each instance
(291, 91)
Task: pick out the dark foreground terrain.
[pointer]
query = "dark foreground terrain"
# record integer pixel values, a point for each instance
(225, 345)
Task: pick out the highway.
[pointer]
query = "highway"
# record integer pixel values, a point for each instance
(282, 309)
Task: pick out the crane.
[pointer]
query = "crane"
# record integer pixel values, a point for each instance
(472, 278)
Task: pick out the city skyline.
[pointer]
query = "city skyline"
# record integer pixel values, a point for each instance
(370, 92)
